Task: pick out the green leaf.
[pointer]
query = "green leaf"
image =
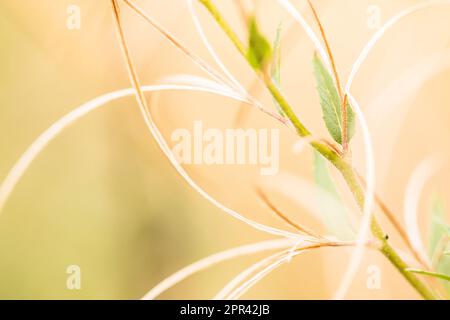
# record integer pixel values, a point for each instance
(438, 239)
(333, 210)
(259, 49)
(331, 103)
(429, 273)
(276, 65)
(438, 228)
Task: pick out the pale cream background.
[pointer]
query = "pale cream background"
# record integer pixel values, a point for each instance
(103, 196)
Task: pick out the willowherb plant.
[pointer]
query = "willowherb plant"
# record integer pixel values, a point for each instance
(428, 273)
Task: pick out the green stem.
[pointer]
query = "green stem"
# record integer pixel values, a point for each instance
(287, 110)
(341, 164)
(386, 249)
(225, 26)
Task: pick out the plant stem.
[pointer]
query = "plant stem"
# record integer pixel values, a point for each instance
(284, 217)
(288, 111)
(225, 26)
(397, 225)
(341, 164)
(386, 249)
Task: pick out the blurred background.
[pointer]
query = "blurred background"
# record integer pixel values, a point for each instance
(104, 197)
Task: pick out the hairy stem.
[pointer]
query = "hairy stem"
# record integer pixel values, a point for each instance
(397, 225)
(340, 163)
(386, 249)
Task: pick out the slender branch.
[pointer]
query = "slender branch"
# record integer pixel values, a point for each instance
(287, 109)
(300, 128)
(197, 60)
(397, 225)
(431, 274)
(402, 232)
(341, 164)
(177, 44)
(328, 48)
(271, 263)
(215, 13)
(254, 90)
(351, 178)
(283, 217)
(129, 62)
(345, 147)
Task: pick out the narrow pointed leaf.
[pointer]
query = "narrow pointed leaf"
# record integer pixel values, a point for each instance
(429, 273)
(331, 103)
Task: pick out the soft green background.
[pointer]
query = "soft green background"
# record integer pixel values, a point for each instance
(101, 196)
